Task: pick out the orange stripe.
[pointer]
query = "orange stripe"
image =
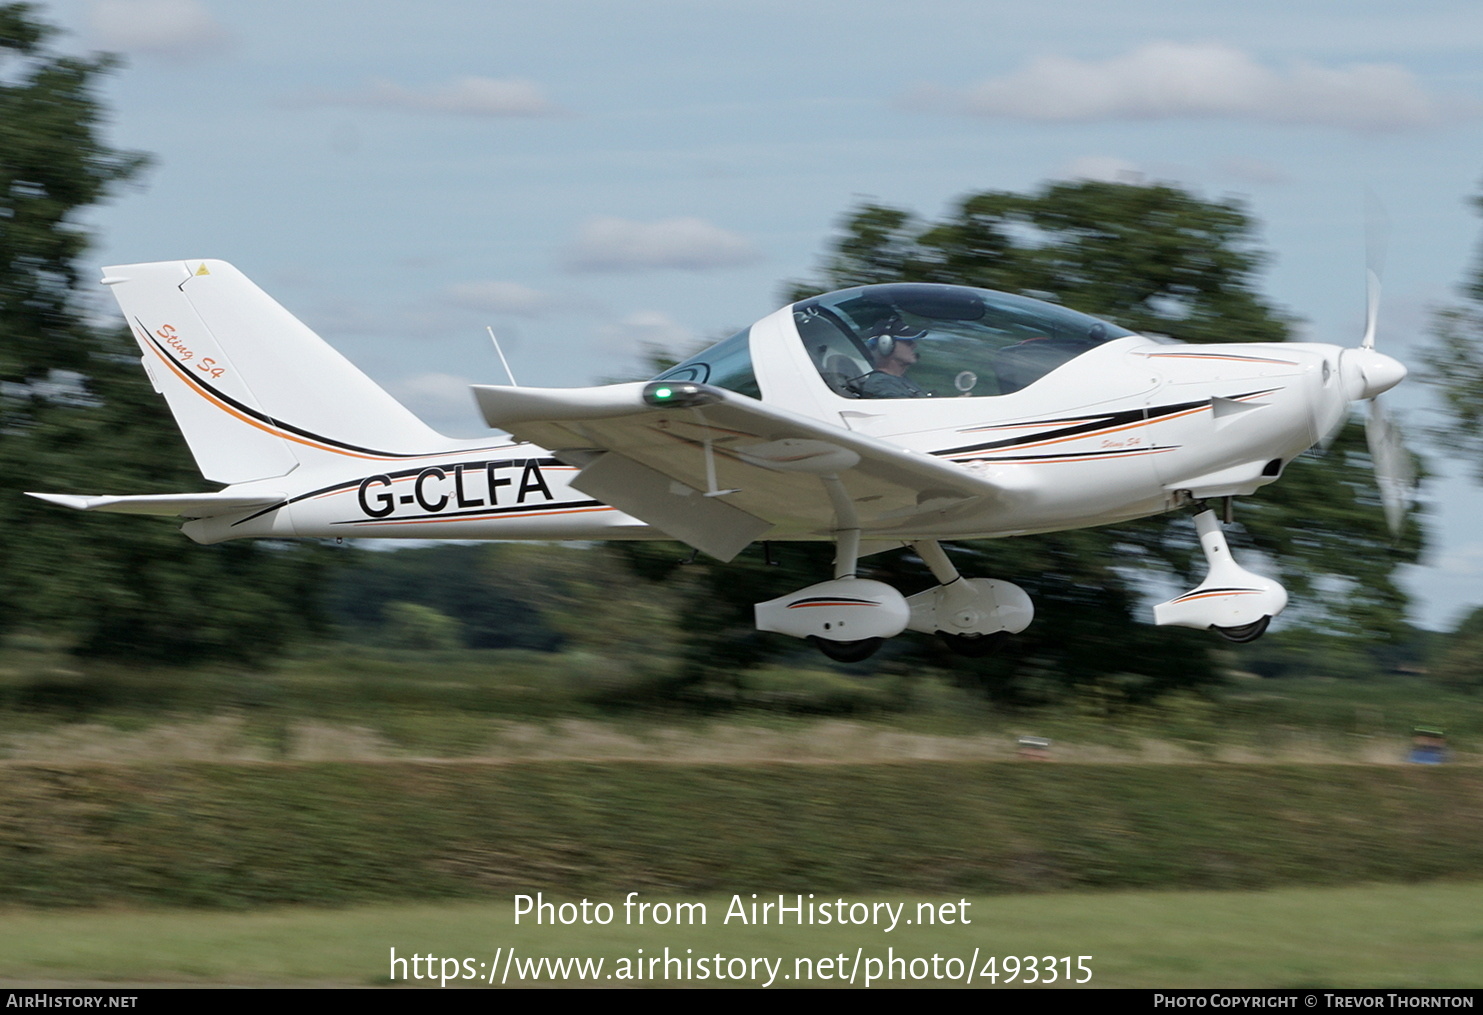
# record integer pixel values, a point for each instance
(1207, 595)
(274, 431)
(1096, 433)
(1206, 355)
(1027, 426)
(1134, 453)
(1116, 429)
(484, 518)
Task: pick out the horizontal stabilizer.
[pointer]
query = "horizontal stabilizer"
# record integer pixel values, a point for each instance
(184, 505)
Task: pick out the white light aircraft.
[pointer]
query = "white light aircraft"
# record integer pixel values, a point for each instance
(879, 417)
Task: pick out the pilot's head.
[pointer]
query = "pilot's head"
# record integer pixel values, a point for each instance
(894, 341)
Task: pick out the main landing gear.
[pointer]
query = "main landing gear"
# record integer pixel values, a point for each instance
(849, 618)
(1231, 601)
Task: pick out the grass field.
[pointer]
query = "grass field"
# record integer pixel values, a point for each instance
(242, 836)
(1369, 936)
(355, 704)
(413, 788)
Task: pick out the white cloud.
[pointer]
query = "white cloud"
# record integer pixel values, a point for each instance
(466, 96)
(1167, 80)
(178, 28)
(647, 329)
(614, 244)
(443, 401)
(434, 387)
(502, 298)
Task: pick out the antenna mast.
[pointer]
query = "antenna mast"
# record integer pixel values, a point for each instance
(504, 362)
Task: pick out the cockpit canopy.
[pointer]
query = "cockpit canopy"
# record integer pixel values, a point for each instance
(961, 341)
(726, 365)
(965, 341)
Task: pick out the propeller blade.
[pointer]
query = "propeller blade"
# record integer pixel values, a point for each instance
(1372, 373)
(1377, 238)
(1393, 470)
(1372, 308)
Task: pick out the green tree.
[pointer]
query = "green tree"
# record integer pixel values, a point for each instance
(577, 599)
(414, 626)
(53, 165)
(1455, 364)
(78, 413)
(1156, 259)
(492, 590)
(1458, 661)
(1455, 369)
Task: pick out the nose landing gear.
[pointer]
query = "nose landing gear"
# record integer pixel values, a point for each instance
(1233, 602)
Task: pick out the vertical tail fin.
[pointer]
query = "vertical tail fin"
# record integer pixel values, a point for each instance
(254, 390)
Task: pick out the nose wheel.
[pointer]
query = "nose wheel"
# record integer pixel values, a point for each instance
(974, 646)
(1245, 633)
(847, 651)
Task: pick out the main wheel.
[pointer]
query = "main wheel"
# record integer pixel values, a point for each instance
(974, 646)
(847, 651)
(1245, 633)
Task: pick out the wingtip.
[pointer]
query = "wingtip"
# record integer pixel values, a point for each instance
(70, 500)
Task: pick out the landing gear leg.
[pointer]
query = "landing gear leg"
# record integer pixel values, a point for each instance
(846, 563)
(972, 616)
(848, 618)
(1232, 601)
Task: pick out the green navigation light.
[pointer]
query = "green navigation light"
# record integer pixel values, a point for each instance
(679, 394)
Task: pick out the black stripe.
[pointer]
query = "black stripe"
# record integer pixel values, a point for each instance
(833, 599)
(264, 417)
(1206, 592)
(399, 474)
(478, 512)
(1110, 452)
(1081, 426)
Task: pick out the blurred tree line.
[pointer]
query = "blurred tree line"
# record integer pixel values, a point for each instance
(1455, 368)
(1455, 363)
(78, 415)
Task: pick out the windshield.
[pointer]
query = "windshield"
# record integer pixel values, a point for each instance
(726, 364)
(912, 340)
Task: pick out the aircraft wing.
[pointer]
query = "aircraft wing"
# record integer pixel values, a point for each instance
(718, 470)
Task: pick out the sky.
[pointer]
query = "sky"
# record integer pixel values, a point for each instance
(595, 178)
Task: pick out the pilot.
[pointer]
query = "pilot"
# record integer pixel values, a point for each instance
(894, 343)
